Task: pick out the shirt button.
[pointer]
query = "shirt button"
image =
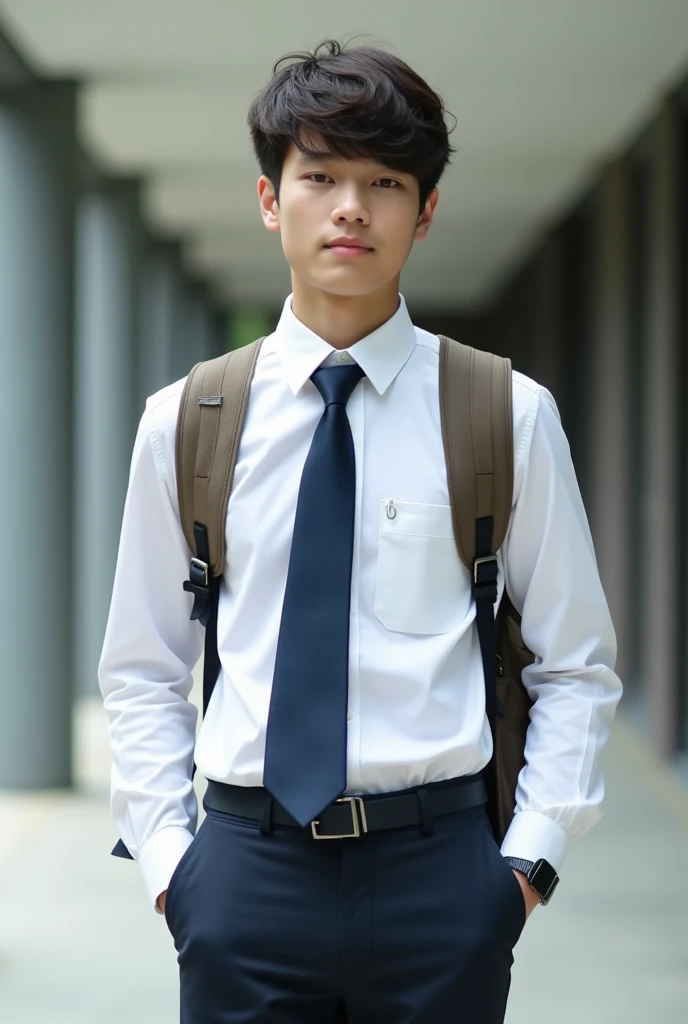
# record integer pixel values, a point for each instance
(349, 715)
(342, 357)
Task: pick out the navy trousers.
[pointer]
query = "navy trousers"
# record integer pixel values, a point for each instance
(394, 927)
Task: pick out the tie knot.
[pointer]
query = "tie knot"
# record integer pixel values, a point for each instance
(336, 383)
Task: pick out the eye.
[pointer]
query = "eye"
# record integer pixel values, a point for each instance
(318, 174)
(389, 183)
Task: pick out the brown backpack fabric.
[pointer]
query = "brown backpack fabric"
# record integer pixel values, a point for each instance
(477, 429)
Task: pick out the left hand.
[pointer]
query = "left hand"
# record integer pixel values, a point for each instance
(530, 896)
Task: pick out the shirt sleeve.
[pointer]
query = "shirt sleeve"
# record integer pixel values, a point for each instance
(552, 578)
(145, 670)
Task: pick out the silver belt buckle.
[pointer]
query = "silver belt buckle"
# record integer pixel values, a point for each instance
(358, 819)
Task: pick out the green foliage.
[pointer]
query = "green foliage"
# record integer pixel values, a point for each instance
(246, 324)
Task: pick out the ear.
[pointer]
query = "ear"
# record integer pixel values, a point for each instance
(269, 210)
(425, 218)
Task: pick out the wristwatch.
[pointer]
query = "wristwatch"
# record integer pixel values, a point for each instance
(541, 876)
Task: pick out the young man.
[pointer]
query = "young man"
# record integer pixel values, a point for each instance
(346, 625)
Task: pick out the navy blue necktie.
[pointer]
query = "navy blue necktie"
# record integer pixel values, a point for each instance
(305, 754)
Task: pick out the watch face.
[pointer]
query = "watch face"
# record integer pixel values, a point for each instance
(543, 879)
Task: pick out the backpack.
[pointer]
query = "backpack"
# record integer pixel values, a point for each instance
(476, 415)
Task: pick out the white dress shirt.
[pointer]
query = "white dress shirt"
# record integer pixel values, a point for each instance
(416, 687)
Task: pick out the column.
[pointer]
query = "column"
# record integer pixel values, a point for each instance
(182, 327)
(198, 342)
(610, 402)
(37, 172)
(661, 454)
(109, 239)
(547, 340)
(219, 327)
(159, 309)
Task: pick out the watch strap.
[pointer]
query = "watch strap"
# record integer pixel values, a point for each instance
(520, 865)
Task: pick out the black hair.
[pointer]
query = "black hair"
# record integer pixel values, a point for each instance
(363, 102)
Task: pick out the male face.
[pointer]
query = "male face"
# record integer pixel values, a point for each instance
(369, 209)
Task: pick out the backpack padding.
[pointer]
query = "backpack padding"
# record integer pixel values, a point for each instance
(211, 417)
(477, 428)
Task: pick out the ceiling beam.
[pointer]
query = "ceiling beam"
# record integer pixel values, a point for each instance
(14, 71)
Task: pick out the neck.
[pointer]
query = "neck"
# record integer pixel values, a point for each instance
(342, 320)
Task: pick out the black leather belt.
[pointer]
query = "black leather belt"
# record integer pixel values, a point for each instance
(351, 816)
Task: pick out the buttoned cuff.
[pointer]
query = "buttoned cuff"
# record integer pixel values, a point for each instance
(159, 856)
(533, 835)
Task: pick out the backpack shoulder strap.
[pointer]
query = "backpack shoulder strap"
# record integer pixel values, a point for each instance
(477, 430)
(476, 415)
(211, 416)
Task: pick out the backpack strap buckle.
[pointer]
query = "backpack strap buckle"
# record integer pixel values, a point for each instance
(198, 584)
(199, 572)
(485, 571)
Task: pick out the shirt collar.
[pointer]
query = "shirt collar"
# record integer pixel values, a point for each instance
(381, 355)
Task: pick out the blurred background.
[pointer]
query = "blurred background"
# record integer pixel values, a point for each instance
(131, 247)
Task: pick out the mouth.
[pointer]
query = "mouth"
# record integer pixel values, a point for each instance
(348, 247)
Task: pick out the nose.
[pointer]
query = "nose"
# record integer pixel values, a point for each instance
(350, 208)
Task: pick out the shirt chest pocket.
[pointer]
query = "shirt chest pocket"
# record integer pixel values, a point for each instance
(422, 586)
